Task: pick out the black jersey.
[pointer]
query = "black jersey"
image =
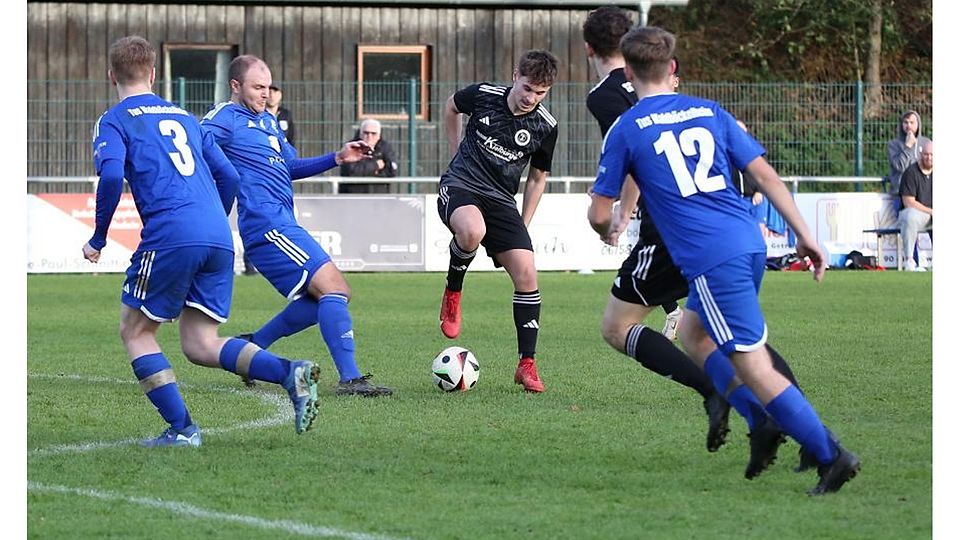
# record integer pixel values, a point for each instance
(610, 98)
(497, 144)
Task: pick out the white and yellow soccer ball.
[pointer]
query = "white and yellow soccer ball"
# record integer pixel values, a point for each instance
(455, 368)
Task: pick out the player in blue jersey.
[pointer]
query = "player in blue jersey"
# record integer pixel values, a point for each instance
(183, 267)
(682, 152)
(648, 277)
(284, 253)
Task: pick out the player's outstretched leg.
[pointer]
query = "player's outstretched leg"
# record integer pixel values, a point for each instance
(655, 352)
(292, 319)
(301, 385)
(336, 327)
(298, 377)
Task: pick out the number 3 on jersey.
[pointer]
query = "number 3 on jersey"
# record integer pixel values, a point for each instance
(691, 140)
(183, 158)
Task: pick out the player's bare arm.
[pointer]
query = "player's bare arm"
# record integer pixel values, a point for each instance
(768, 181)
(600, 213)
(532, 191)
(453, 123)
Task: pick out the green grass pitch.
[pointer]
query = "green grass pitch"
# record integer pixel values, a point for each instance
(610, 450)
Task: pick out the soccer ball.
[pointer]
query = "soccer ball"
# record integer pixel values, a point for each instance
(455, 368)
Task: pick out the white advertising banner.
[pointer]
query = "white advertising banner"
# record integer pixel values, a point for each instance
(562, 238)
(404, 233)
(58, 225)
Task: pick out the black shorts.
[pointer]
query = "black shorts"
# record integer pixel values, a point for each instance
(648, 277)
(505, 227)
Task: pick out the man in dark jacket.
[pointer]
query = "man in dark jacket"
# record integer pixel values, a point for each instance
(383, 163)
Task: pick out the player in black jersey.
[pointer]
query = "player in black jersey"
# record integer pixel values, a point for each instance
(648, 276)
(508, 128)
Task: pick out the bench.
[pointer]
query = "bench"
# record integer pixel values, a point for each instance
(896, 232)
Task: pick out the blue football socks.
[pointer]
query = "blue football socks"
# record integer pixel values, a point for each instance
(741, 398)
(263, 365)
(297, 316)
(798, 419)
(336, 326)
(162, 392)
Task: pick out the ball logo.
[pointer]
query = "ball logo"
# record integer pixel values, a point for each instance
(522, 137)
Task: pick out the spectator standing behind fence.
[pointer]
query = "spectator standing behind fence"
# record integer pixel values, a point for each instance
(905, 149)
(916, 195)
(383, 164)
(283, 114)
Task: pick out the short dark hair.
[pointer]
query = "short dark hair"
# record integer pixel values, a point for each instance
(240, 65)
(603, 29)
(649, 51)
(131, 59)
(539, 66)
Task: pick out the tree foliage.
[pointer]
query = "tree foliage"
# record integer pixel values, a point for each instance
(798, 40)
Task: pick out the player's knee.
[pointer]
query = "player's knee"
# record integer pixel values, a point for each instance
(199, 352)
(614, 334)
(470, 237)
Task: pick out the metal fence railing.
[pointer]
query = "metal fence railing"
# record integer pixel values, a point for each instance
(807, 129)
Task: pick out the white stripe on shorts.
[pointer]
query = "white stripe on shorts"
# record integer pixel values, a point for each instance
(714, 317)
(143, 275)
(644, 260)
(284, 244)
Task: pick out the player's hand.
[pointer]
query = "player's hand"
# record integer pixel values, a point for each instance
(354, 151)
(812, 251)
(618, 224)
(757, 198)
(911, 139)
(90, 254)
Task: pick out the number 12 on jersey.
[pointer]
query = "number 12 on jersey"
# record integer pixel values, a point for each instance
(693, 141)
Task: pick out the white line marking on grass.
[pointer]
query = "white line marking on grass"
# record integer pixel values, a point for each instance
(186, 509)
(284, 414)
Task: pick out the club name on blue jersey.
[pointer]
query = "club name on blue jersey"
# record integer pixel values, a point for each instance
(682, 152)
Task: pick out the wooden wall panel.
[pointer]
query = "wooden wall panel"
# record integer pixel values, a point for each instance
(466, 45)
(157, 30)
(273, 41)
(502, 45)
(57, 71)
(176, 24)
(253, 31)
(484, 60)
(37, 96)
(311, 50)
(292, 44)
(390, 25)
(235, 26)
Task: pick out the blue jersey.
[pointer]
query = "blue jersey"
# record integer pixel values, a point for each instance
(683, 152)
(257, 147)
(163, 151)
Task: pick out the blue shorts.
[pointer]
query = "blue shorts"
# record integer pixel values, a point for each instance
(160, 283)
(725, 298)
(288, 257)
